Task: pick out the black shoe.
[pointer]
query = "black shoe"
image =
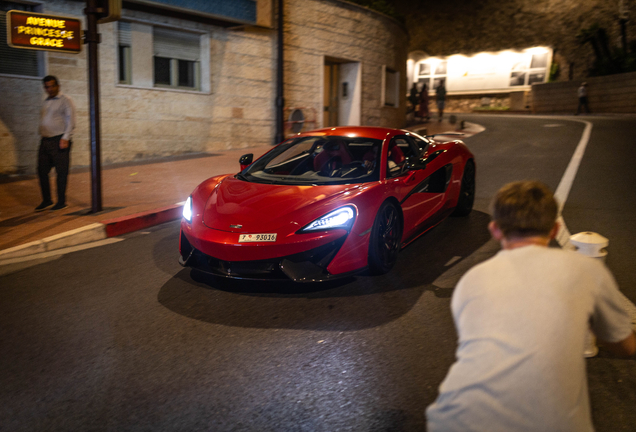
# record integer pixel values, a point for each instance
(43, 206)
(59, 206)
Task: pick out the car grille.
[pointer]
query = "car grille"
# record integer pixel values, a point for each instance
(304, 266)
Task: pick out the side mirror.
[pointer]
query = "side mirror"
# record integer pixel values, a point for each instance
(246, 160)
(413, 163)
(433, 155)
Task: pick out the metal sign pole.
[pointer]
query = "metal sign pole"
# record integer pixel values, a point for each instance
(92, 39)
(280, 101)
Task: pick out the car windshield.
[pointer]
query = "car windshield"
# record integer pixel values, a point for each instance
(318, 160)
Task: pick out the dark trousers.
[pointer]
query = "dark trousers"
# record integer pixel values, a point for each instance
(50, 155)
(583, 104)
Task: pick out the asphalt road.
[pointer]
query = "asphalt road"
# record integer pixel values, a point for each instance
(120, 337)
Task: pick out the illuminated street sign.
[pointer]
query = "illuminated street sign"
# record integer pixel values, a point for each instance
(30, 30)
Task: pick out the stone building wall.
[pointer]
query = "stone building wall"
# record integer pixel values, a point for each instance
(485, 102)
(236, 109)
(19, 117)
(236, 112)
(468, 103)
(455, 26)
(319, 29)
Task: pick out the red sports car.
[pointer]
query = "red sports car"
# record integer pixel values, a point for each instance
(326, 204)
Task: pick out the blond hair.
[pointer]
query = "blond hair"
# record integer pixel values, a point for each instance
(524, 209)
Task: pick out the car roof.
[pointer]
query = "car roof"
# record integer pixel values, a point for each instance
(356, 131)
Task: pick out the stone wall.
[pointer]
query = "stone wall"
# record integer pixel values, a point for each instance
(476, 103)
(236, 112)
(236, 109)
(455, 26)
(609, 94)
(315, 30)
(19, 118)
(468, 103)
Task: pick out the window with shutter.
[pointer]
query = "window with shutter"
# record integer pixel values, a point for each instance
(16, 61)
(124, 52)
(177, 57)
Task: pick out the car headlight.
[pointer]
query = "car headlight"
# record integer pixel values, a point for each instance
(340, 218)
(187, 210)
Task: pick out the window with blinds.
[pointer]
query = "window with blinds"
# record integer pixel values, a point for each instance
(16, 61)
(177, 57)
(124, 53)
(391, 87)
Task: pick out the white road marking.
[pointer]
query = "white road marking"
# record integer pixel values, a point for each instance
(56, 252)
(561, 195)
(563, 190)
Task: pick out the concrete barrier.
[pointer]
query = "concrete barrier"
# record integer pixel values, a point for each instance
(607, 94)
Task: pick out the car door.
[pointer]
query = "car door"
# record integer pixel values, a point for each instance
(421, 188)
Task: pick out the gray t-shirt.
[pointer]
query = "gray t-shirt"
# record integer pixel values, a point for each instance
(522, 319)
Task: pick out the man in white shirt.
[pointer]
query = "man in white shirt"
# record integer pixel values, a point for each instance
(522, 319)
(57, 122)
(582, 93)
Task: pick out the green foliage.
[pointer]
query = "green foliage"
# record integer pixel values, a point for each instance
(382, 6)
(609, 60)
(555, 71)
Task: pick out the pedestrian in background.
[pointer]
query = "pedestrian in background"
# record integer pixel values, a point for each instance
(522, 319)
(423, 111)
(440, 98)
(57, 122)
(413, 96)
(582, 92)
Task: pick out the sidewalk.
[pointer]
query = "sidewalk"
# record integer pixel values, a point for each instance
(134, 197)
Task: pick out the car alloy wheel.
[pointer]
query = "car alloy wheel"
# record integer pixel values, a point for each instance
(386, 239)
(467, 191)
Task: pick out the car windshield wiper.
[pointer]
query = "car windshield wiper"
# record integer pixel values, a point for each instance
(297, 179)
(253, 179)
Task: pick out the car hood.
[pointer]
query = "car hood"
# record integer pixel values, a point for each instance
(240, 206)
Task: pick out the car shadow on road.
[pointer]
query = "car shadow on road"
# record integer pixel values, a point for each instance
(353, 303)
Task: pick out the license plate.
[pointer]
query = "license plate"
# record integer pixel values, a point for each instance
(246, 238)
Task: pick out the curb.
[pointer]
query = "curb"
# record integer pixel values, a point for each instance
(127, 224)
(95, 232)
(89, 233)
(469, 129)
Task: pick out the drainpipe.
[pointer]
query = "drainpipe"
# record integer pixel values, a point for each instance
(280, 101)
